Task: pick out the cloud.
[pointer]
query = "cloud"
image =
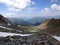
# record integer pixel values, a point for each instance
(33, 3)
(31, 9)
(17, 4)
(53, 11)
(46, 10)
(55, 7)
(14, 6)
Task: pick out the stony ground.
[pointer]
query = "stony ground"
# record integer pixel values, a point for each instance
(25, 40)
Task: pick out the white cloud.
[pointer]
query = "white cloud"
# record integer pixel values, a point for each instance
(30, 10)
(55, 7)
(46, 10)
(11, 9)
(18, 4)
(14, 6)
(33, 3)
(53, 11)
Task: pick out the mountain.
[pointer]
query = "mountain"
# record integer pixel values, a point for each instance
(31, 21)
(51, 26)
(4, 21)
(8, 26)
(36, 20)
(18, 21)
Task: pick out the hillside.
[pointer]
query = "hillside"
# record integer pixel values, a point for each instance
(4, 21)
(51, 26)
(8, 26)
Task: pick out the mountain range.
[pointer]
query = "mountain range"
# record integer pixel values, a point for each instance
(18, 21)
(51, 26)
(34, 21)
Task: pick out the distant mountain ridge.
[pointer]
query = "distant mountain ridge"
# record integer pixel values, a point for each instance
(32, 21)
(18, 21)
(36, 20)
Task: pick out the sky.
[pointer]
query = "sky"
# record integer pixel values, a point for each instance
(30, 8)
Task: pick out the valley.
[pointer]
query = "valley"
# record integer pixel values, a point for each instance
(27, 34)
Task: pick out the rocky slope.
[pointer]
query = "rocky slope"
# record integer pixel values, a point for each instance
(5, 22)
(37, 39)
(8, 26)
(51, 26)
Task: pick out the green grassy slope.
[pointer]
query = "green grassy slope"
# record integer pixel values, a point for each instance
(51, 26)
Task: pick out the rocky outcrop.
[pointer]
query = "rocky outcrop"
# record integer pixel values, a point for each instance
(4, 21)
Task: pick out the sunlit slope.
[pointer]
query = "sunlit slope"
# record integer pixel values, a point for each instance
(51, 26)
